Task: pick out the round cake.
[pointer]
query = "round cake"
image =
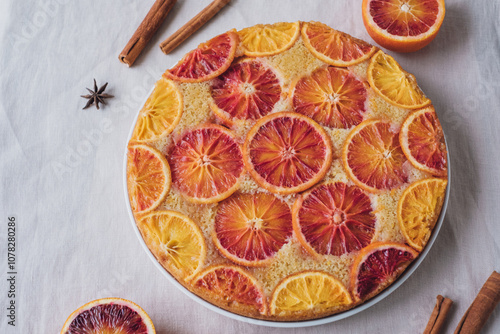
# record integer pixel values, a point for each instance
(286, 172)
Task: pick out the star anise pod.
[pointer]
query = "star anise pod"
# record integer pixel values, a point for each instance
(96, 96)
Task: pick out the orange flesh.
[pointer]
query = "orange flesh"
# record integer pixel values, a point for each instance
(287, 152)
(253, 227)
(336, 219)
(247, 90)
(332, 97)
(426, 141)
(375, 157)
(404, 17)
(231, 285)
(206, 163)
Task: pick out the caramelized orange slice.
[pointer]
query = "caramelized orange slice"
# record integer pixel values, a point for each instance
(268, 39)
(287, 152)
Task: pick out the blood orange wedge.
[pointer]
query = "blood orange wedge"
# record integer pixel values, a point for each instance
(232, 286)
(418, 210)
(148, 178)
(251, 228)
(394, 84)
(175, 240)
(373, 157)
(377, 266)
(109, 315)
(333, 219)
(207, 164)
(287, 152)
(422, 141)
(247, 90)
(160, 114)
(268, 39)
(207, 61)
(331, 96)
(309, 290)
(335, 47)
(403, 25)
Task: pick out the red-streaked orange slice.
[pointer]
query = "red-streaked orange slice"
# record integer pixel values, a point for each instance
(269, 39)
(373, 158)
(251, 228)
(206, 164)
(207, 61)
(335, 47)
(422, 141)
(403, 25)
(331, 96)
(333, 219)
(148, 178)
(287, 152)
(246, 91)
(377, 266)
(232, 286)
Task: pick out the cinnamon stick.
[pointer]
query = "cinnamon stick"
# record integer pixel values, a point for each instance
(482, 307)
(146, 30)
(193, 25)
(438, 315)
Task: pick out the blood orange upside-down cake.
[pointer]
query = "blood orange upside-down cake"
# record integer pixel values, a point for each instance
(286, 171)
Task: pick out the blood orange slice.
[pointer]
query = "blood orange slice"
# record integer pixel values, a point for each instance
(312, 291)
(109, 315)
(251, 228)
(377, 266)
(333, 219)
(148, 178)
(418, 210)
(335, 47)
(175, 240)
(373, 158)
(160, 114)
(403, 25)
(287, 152)
(207, 61)
(231, 286)
(422, 141)
(206, 164)
(331, 96)
(247, 90)
(394, 84)
(268, 39)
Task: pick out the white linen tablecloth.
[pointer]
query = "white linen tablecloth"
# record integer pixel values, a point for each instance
(61, 168)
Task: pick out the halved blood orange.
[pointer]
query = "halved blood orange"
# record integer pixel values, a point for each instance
(175, 240)
(109, 315)
(313, 291)
(394, 84)
(246, 91)
(335, 47)
(148, 178)
(207, 61)
(160, 114)
(331, 96)
(287, 152)
(251, 228)
(333, 218)
(377, 266)
(373, 158)
(422, 141)
(206, 164)
(418, 210)
(403, 25)
(232, 286)
(269, 39)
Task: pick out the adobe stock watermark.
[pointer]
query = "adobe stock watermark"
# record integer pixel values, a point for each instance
(45, 11)
(75, 155)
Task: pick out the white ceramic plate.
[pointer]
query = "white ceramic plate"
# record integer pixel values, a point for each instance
(286, 324)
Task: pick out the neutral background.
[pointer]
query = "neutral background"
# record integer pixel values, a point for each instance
(61, 167)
